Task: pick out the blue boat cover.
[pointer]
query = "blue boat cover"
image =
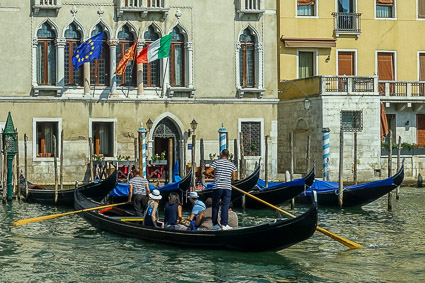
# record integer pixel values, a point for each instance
(261, 184)
(123, 189)
(326, 186)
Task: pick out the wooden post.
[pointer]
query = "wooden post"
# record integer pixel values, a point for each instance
(18, 187)
(308, 154)
(390, 164)
(266, 161)
(91, 159)
(341, 168)
(4, 172)
(202, 160)
(193, 161)
(242, 166)
(55, 164)
(397, 191)
(235, 154)
(26, 163)
(184, 155)
(291, 162)
(61, 161)
(170, 160)
(2, 163)
(355, 159)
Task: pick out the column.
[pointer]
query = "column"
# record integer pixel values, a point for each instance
(189, 64)
(60, 57)
(140, 45)
(222, 133)
(34, 60)
(259, 63)
(113, 64)
(238, 76)
(86, 69)
(326, 153)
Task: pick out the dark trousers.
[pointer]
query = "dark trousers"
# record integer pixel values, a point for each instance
(139, 203)
(224, 195)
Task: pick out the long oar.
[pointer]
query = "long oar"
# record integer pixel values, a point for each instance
(340, 239)
(41, 218)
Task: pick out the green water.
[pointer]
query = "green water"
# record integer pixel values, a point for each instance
(67, 249)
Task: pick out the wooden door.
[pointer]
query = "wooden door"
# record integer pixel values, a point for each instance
(420, 122)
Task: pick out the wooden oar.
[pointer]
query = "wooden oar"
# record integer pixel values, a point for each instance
(340, 239)
(41, 218)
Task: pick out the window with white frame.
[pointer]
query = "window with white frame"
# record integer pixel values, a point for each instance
(73, 39)
(385, 8)
(306, 64)
(306, 8)
(177, 58)
(247, 59)
(421, 9)
(46, 132)
(251, 132)
(103, 138)
(151, 71)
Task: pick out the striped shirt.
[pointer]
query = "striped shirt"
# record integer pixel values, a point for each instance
(139, 185)
(223, 174)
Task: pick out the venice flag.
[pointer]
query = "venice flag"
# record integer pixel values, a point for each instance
(158, 49)
(128, 56)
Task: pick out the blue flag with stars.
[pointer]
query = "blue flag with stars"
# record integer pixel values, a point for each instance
(87, 51)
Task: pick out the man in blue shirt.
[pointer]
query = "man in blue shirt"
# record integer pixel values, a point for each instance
(197, 211)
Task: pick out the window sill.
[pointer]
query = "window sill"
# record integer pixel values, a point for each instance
(37, 8)
(50, 88)
(172, 91)
(241, 92)
(45, 159)
(243, 12)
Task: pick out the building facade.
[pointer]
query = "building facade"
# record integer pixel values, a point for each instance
(345, 58)
(221, 71)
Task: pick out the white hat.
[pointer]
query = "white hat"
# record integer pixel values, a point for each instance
(193, 195)
(155, 194)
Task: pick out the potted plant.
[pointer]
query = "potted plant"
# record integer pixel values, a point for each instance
(212, 158)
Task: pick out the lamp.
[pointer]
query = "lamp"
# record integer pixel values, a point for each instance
(328, 58)
(149, 124)
(307, 104)
(407, 123)
(193, 125)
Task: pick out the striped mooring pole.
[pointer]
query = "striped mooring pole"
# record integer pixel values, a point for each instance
(144, 148)
(222, 133)
(326, 153)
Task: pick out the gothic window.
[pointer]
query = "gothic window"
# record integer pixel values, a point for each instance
(73, 40)
(247, 59)
(151, 71)
(99, 68)
(46, 55)
(126, 40)
(177, 68)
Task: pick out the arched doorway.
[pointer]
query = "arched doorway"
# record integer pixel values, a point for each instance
(166, 135)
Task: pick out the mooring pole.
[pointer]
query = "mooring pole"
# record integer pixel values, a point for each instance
(61, 161)
(136, 160)
(26, 163)
(355, 159)
(308, 154)
(266, 161)
(390, 164)
(341, 168)
(291, 162)
(242, 167)
(18, 187)
(193, 161)
(55, 164)
(235, 154)
(202, 160)
(397, 191)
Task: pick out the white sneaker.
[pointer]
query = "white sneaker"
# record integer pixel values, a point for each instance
(226, 227)
(215, 227)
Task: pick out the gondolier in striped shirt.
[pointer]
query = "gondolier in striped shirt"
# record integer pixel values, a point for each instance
(224, 174)
(139, 189)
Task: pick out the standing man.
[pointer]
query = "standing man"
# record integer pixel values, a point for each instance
(225, 174)
(139, 187)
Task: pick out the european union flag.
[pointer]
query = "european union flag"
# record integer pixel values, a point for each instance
(87, 51)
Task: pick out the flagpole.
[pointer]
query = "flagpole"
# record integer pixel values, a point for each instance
(132, 65)
(163, 79)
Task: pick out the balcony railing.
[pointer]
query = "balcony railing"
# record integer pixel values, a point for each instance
(144, 7)
(250, 7)
(402, 88)
(350, 84)
(347, 23)
(53, 5)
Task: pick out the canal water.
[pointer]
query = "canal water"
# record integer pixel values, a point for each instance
(67, 249)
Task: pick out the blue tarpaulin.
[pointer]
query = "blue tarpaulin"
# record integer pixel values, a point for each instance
(261, 184)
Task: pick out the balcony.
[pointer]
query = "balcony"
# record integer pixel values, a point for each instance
(49, 5)
(347, 23)
(250, 7)
(144, 7)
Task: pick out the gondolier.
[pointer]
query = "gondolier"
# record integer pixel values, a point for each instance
(224, 175)
(139, 187)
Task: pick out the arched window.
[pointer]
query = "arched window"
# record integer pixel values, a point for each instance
(99, 68)
(247, 59)
(126, 40)
(73, 40)
(151, 71)
(177, 58)
(46, 55)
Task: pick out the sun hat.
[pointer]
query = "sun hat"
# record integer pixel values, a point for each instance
(155, 195)
(193, 195)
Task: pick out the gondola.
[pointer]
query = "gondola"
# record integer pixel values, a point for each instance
(96, 190)
(356, 195)
(245, 184)
(272, 235)
(276, 193)
(121, 191)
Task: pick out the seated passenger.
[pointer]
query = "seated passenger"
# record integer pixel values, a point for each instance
(151, 215)
(232, 218)
(197, 211)
(173, 213)
(206, 221)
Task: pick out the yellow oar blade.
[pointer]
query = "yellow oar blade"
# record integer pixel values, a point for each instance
(340, 239)
(41, 218)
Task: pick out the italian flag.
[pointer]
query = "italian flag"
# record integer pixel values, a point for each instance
(160, 48)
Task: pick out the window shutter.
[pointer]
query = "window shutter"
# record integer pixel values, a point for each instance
(389, 3)
(385, 67)
(421, 8)
(305, 2)
(422, 67)
(345, 63)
